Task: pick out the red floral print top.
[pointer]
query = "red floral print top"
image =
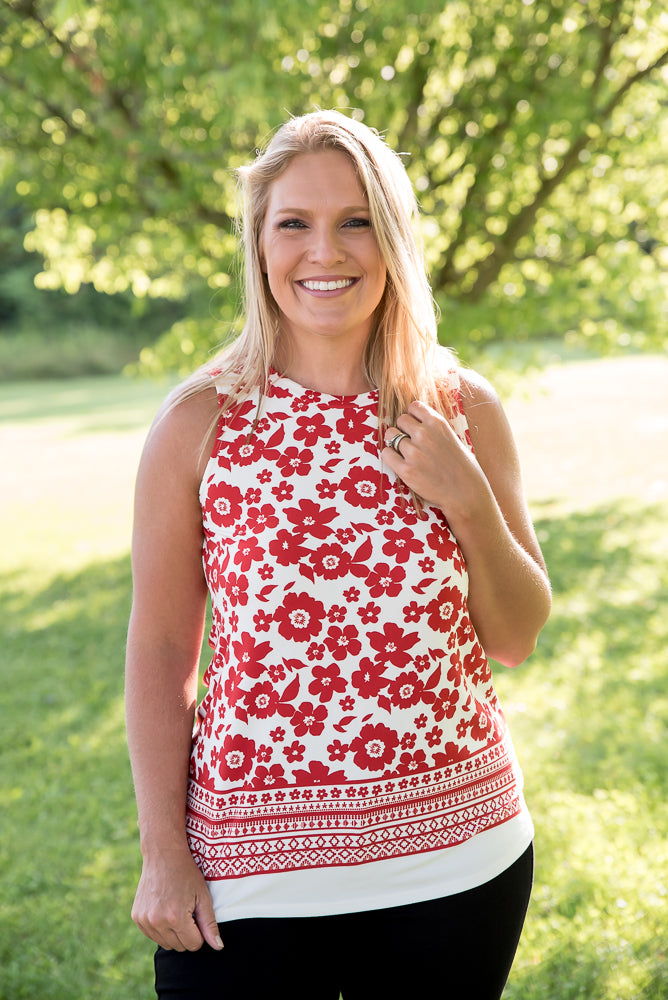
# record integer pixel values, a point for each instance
(350, 713)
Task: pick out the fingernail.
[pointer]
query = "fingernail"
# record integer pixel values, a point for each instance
(219, 943)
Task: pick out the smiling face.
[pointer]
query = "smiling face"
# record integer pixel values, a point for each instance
(319, 252)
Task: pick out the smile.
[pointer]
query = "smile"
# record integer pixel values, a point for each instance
(327, 286)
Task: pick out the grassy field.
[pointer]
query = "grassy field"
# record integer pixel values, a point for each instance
(589, 711)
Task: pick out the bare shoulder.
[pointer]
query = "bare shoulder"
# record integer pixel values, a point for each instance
(181, 437)
(482, 405)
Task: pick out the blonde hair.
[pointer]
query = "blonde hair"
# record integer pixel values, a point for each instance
(401, 358)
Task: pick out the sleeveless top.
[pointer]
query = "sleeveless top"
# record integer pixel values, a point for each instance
(350, 715)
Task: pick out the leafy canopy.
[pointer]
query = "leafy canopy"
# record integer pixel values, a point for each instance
(535, 134)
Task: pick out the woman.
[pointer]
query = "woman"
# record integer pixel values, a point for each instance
(348, 815)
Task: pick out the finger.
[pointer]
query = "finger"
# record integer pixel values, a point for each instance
(205, 919)
(399, 436)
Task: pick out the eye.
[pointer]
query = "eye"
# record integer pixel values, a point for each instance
(291, 224)
(358, 223)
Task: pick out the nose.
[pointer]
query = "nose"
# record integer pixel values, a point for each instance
(325, 247)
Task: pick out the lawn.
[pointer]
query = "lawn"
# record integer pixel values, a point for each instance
(589, 711)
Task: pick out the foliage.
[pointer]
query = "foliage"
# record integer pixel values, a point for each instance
(535, 133)
(588, 714)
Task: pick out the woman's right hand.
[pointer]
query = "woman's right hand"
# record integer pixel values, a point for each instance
(173, 905)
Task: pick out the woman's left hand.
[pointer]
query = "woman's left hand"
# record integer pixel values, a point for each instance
(434, 463)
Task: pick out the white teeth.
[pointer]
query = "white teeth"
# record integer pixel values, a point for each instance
(327, 286)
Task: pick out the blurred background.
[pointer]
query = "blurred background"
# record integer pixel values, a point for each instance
(536, 135)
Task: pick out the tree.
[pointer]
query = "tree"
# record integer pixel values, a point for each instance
(536, 137)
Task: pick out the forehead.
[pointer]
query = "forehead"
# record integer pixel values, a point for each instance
(319, 177)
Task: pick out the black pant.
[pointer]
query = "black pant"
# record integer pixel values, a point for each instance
(459, 947)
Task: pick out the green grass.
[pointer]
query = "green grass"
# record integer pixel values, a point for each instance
(589, 715)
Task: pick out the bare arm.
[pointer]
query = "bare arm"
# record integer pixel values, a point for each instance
(483, 500)
(173, 905)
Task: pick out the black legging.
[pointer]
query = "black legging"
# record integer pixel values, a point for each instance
(459, 947)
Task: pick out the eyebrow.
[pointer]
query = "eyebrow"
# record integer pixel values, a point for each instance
(286, 210)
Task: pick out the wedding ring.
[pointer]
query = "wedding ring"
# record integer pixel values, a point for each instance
(396, 441)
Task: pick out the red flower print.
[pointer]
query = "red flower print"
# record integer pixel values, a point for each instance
(369, 614)
(264, 476)
(481, 725)
(277, 672)
(310, 518)
(441, 541)
(369, 679)
(241, 451)
(342, 642)
(364, 487)
(374, 748)
(412, 612)
(318, 774)
(405, 511)
(411, 762)
(266, 572)
(326, 490)
(330, 561)
(401, 544)
(252, 495)
(408, 741)
(406, 689)
(295, 752)
(333, 447)
(345, 535)
(352, 425)
(236, 588)
(433, 737)
(445, 705)
(316, 651)
(264, 754)
(312, 428)
(262, 700)
(259, 518)
(236, 757)
(269, 777)
(384, 517)
(309, 718)
(250, 654)
(300, 617)
(452, 753)
(223, 503)
(283, 491)
(326, 682)
(286, 548)
(426, 565)
(351, 595)
(421, 663)
(392, 644)
(476, 660)
(278, 734)
(347, 704)
(337, 750)
(420, 722)
(262, 621)
(249, 551)
(443, 610)
(336, 613)
(293, 461)
(385, 580)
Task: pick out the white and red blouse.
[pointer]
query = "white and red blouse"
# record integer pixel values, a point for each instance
(350, 723)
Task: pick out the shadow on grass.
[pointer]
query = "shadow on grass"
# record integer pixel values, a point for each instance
(597, 684)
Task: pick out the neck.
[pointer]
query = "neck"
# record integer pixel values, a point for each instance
(323, 369)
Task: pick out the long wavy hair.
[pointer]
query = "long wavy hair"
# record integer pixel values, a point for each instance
(401, 358)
